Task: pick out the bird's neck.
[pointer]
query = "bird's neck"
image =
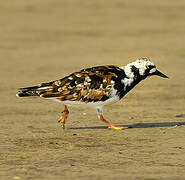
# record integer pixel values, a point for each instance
(132, 78)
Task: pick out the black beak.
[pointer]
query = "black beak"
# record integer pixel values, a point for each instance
(158, 73)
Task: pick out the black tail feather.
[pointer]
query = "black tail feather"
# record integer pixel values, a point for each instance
(28, 91)
(23, 94)
(35, 90)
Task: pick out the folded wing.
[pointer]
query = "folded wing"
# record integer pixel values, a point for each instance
(88, 85)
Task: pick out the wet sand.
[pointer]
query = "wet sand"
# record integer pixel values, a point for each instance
(46, 40)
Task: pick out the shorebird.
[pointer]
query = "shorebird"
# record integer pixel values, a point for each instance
(96, 87)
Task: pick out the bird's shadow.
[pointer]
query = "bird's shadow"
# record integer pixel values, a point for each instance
(139, 125)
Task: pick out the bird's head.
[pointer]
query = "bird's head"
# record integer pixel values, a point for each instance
(143, 67)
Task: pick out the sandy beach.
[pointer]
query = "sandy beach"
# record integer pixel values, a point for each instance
(45, 40)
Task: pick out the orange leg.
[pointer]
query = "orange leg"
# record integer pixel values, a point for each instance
(100, 117)
(64, 116)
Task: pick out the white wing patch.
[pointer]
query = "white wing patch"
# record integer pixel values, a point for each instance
(42, 88)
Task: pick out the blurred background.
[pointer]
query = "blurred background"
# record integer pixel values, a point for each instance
(55, 37)
(45, 40)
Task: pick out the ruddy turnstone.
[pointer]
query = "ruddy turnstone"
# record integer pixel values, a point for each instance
(96, 86)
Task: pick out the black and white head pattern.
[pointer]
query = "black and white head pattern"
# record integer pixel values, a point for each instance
(140, 68)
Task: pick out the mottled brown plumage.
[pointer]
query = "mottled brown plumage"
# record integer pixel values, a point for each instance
(92, 84)
(96, 86)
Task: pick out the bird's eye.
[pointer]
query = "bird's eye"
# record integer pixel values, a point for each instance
(152, 70)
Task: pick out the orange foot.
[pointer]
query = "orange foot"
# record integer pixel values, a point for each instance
(64, 116)
(100, 117)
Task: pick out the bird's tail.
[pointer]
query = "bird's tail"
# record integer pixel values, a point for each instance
(34, 90)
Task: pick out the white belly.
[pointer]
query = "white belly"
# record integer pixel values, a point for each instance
(91, 104)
